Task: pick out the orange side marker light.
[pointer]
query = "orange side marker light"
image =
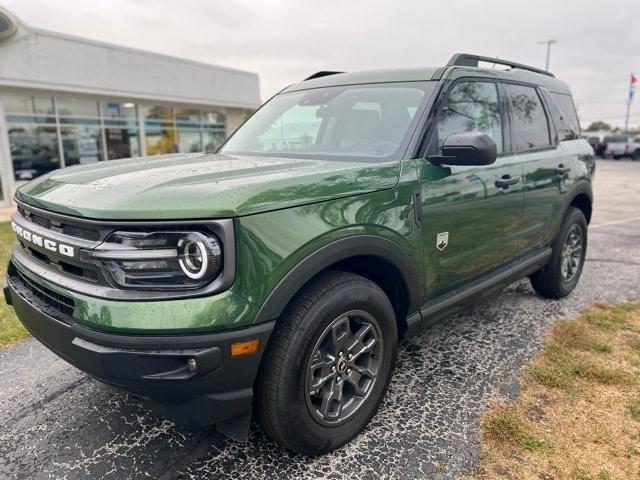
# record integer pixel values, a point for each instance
(245, 348)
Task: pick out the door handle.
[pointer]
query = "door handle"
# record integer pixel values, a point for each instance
(506, 180)
(561, 169)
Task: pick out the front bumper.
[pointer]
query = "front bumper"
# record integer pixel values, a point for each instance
(189, 378)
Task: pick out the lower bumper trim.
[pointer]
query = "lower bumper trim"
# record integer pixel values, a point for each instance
(191, 379)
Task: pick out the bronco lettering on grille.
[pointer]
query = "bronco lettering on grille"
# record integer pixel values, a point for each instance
(40, 241)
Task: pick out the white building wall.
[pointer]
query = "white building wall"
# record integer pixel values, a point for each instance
(43, 60)
(52, 64)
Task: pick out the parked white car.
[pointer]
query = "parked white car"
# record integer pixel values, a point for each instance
(619, 146)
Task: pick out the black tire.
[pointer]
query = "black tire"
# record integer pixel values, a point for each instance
(283, 404)
(635, 155)
(617, 157)
(550, 282)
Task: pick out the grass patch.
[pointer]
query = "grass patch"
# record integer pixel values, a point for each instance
(604, 475)
(634, 409)
(553, 376)
(578, 414)
(600, 347)
(505, 426)
(610, 317)
(11, 330)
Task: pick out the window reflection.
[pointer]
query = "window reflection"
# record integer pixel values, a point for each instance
(189, 141)
(27, 105)
(213, 139)
(188, 130)
(34, 150)
(121, 129)
(529, 128)
(92, 130)
(159, 131)
(471, 107)
(82, 145)
(122, 143)
(77, 108)
(188, 117)
(119, 110)
(213, 117)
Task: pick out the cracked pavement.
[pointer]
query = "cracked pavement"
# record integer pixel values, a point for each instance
(56, 422)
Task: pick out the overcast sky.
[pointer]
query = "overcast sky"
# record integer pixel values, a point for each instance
(286, 40)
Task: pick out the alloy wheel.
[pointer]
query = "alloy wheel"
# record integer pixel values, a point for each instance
(343, 367)
(572, 253)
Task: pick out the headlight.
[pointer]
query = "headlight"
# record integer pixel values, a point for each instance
(159, 260)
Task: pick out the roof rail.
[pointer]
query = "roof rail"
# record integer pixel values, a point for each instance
(470, 60)
(322, 73)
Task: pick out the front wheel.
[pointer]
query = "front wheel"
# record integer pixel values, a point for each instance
(328, 364)
(560, 276)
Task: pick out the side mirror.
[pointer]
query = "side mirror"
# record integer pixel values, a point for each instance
(467, 148)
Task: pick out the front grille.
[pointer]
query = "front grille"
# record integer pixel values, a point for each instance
(66, 267)
(61, 303)
(61, 226)
(86, 233)
(43, 222)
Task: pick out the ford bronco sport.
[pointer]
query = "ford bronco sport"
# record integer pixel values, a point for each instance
(277, 277)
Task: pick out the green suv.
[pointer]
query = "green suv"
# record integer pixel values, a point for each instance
(278, 276)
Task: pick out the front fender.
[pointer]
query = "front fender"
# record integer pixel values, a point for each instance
(332, 253)
(278, 252)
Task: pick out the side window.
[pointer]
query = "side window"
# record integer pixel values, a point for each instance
(471, 107)
(529, 124)
(568, 118)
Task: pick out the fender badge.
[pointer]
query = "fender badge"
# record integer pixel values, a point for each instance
(442, 240)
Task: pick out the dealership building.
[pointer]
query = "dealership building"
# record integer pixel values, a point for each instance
(69, 101)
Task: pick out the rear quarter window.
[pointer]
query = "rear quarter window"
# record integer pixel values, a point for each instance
(568, 116)
(529, 124)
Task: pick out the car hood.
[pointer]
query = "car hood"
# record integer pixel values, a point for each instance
(186, 186)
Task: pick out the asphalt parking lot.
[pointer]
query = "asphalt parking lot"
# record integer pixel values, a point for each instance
(55, 422)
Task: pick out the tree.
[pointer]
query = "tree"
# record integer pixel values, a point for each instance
(599, 125)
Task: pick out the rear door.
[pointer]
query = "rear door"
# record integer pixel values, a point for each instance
(472, 215)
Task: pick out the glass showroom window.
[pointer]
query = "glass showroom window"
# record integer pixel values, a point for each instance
(121, 129)
(189, 138)
(189, 141)
(159, 129)
(82, 144)
(122, 142)
(41, 107)
(34, 150)
(73, 107)
(80, 131)
(213, 130)
(33, 140)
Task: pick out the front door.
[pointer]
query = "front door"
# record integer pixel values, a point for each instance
(472, 215)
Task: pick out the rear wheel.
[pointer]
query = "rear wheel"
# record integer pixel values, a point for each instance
(560, 276)
(328, 364)
(636, 154)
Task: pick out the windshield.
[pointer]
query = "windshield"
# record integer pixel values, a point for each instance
(364, 122)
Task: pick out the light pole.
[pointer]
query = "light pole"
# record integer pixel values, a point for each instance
(548, 43)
